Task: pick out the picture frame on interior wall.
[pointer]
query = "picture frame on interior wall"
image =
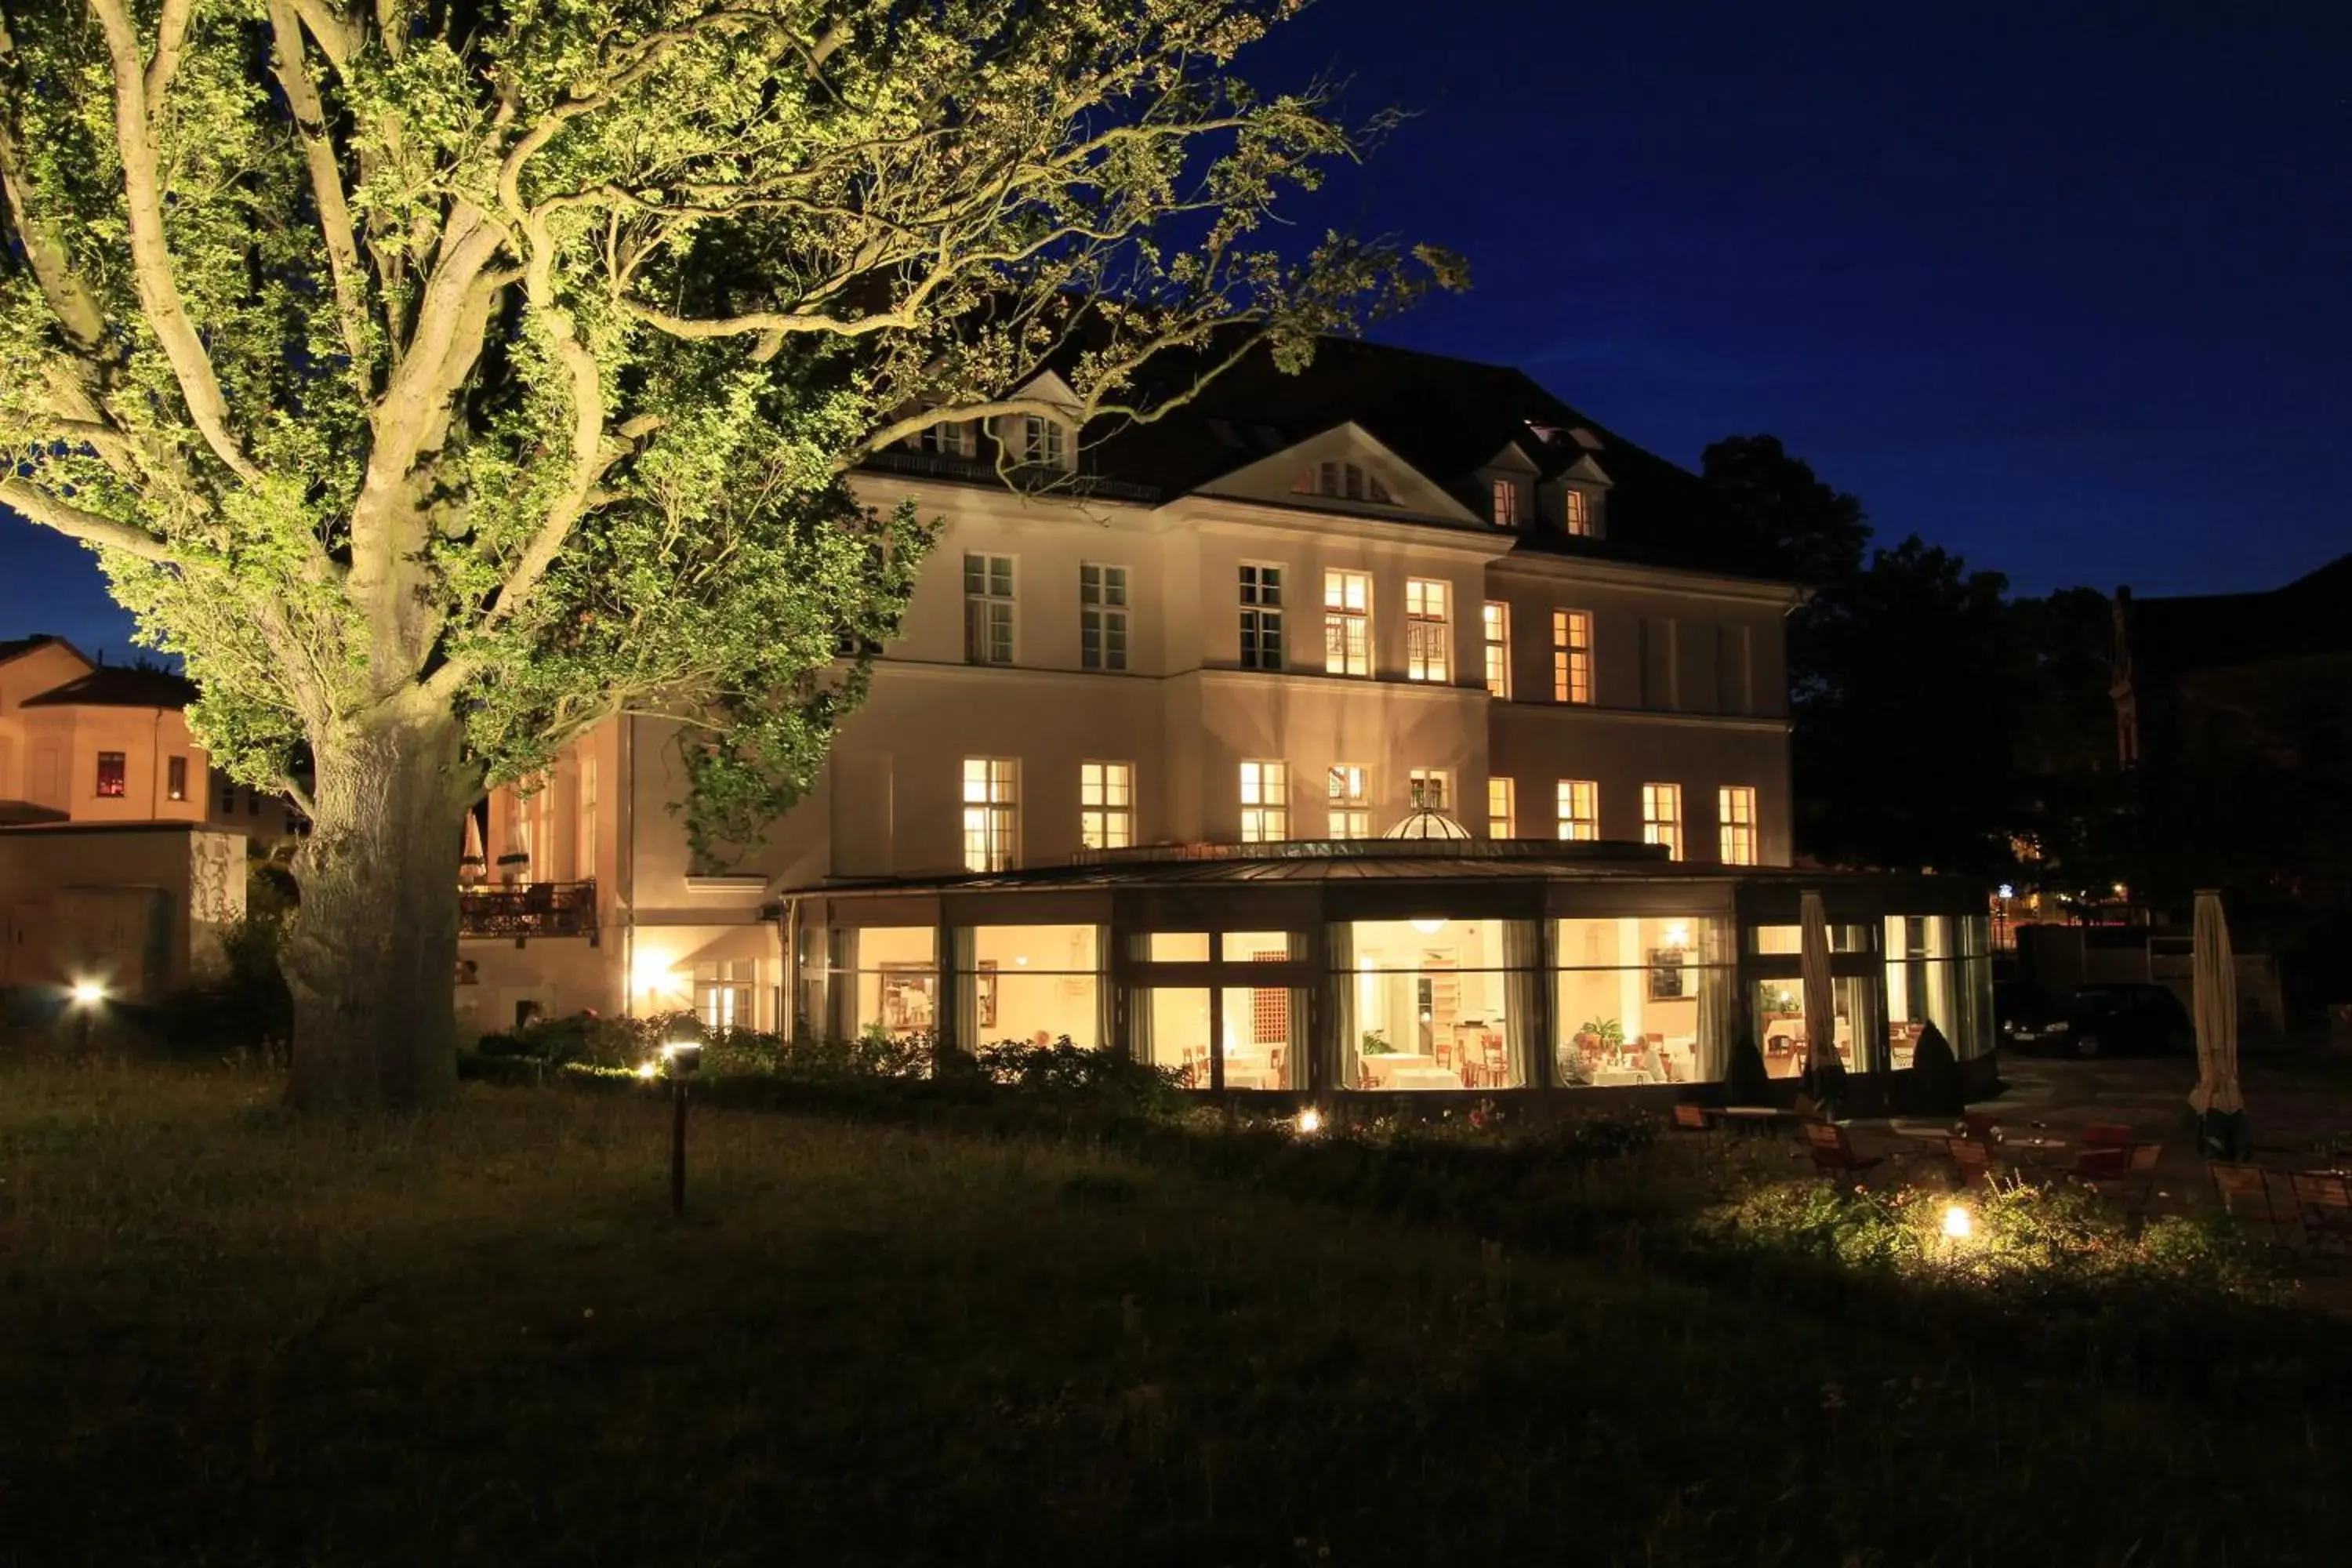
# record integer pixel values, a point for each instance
(910, 996)
(1666, 981)
(984, 988)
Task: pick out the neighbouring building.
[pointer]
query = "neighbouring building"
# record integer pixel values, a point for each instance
(121, 852)
(1390, 726)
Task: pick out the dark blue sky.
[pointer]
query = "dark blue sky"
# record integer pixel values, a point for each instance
(2061, 286)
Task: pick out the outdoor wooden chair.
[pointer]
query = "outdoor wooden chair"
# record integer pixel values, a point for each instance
(2132, 1168)
(2106, 1135)
(1973, 1160)
(1833, 1155)
(2323, 1202)
(2245, 1194)
(1980, 1124)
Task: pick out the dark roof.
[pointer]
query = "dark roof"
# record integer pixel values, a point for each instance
(2309, 617)
(118, 686)
(18, 647)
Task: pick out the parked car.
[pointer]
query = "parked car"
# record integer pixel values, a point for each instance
(2098, 1021)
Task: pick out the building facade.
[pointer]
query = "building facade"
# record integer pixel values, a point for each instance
(1395, 591)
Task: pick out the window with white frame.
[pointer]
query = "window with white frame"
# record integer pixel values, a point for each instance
(1579, 810)
(1044, 443)
(1427, 631)
(1502, 814)
(1266, 802)
(1662, 818)
(722, 992)
(948, 438)
(1498, 620)
(1102, 616)
(1348, 622)
(987, 609)
(1507, 502)
(1261, 590)
(992, 813)
(1571, 656)
(1105, 805)
(1341, 482)
(1351, 813)
(1735, 811)
(1577, 512)
(1431, 787)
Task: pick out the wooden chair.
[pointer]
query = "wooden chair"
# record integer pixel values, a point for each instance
(2134, 1162)
(1973, 1160)
(1833, 1156)
(2245, 1194)
(2323, 1202)
(2106, 1135)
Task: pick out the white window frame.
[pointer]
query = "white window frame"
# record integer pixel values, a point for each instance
(1734, 811)
(1578, 807)
(992, 619)
(1265, 801)
(1428, 630)
(1348, 622)
(949, 438)
(1502, 808)
(1431, 787)
(1044, 441)
(1495, 618)
(1105, 805)
(1571, 658)
(1102, 615)
(1662, 818)
(1347, 795)
(1261, 614)
(1504, 504)
(992, 813)
(1576, 513)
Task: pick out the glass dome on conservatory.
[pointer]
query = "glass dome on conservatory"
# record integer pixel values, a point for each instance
(1427, 822)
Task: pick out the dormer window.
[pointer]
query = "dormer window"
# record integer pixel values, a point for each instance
(949, 438)
(1577, 515)
(1341, 482)
(1507, 502)
(1044, 443)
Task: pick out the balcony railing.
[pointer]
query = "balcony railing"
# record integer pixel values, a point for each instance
(530, 909)
(982, 470)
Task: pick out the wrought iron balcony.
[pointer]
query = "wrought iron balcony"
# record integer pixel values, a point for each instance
(528, 909)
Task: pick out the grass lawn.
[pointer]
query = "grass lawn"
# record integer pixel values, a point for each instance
(228, 1336)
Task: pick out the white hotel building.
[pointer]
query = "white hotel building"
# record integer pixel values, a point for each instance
(1131, 772)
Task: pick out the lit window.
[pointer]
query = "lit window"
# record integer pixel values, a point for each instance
(1261, 617)
(1580, 809)
(1426, 632)
(1266, 803)
(1498, 649)
(1571, 656)
(109, 773)
(1348, 623)
(722, 994)
(987, 609)
(1106, 804)
(175, 778)
(1735, 814)
(949, 438)
(992, 813)
(1662, 818)
(1431, 788)
(1502, 818)
(1043, 442)
(1102, 616)
(1351, 815)
(1507, 503)
(1578, 512)
(1340, 481)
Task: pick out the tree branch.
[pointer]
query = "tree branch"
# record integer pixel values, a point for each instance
(326, 180)
(41, 507)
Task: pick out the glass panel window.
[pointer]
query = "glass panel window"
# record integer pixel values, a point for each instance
(883, 980)
(1105, 805)
(1431, 788)
(1043, 442)
(1348, 623)
(1662, 818)
(1507, 503)
(1497, 617)
(1102, 616)
(1580, 809)
(1502, 820)
(175, 778)
(228, 797)
(1786, 1036)
(1266, 802)
(1341, 482)
(950, 438)
(987, 609)
(1033, 985)
(722, 994)
(1427, 632)
(110, 773)
(1351, 815)
(992, 813)
(1646, 999)
(1261, 589)
(1435, 1003)
(1571, 656)
(1578, 515)
(1736, 816)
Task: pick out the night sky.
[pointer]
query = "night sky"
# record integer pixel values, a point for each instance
(2061, 287)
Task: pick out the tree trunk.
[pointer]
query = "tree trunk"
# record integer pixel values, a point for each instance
(373, 959)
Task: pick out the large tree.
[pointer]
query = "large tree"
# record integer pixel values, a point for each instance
(439, 379)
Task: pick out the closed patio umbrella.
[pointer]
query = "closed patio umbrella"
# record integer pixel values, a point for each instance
(469, 864)
(1822, 1068)
(2213, 975)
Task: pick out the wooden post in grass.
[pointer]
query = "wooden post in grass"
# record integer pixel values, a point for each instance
(682, 1046)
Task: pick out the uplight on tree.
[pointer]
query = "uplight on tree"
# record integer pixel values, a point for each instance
(441, 382)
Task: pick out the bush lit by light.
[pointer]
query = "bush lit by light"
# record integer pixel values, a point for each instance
(1958, 1223)
(88, 993)
(647, 1069)
(1311, 1122)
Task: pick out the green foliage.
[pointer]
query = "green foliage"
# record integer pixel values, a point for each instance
(1610, 1031)
(1375, 1044)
